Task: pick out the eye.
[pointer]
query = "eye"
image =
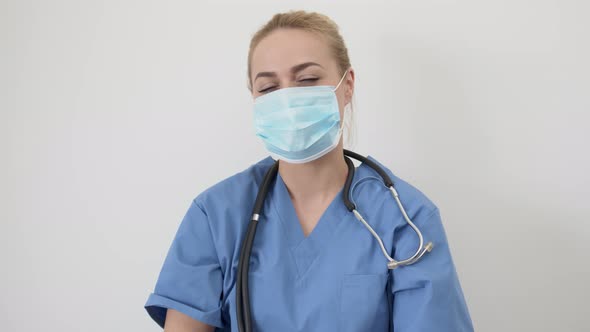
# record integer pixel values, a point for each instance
(266, 89)
(310, 79)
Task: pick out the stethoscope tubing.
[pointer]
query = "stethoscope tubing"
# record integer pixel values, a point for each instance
(242, 290)
(243, 310)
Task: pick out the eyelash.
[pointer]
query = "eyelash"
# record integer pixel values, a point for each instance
(313, 79)
(303, 80)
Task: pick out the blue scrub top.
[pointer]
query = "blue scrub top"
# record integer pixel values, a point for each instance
(335, 279)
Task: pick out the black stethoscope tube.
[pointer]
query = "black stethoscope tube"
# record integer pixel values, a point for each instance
(242, 291)
(370, 163)
(243, 313)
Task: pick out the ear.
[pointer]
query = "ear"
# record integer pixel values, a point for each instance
(349, 84)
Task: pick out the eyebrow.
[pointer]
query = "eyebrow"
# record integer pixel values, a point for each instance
(294, 69)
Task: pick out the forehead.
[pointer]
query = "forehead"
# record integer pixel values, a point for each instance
(284, 48)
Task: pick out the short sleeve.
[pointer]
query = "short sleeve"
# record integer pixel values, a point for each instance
(191, 279)
(427, 295)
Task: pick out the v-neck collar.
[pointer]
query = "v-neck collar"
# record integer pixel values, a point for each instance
(305, 249)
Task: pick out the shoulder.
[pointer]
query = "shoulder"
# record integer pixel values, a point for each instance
(415, 201)
(226, 206)
(234, 189)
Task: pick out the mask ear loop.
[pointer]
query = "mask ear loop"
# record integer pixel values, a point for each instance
(341, 128)
(341, 79)
(345, 118)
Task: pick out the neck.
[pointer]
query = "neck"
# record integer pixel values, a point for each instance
(317, 179)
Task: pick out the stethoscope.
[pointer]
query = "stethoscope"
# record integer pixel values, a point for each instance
(242, 293)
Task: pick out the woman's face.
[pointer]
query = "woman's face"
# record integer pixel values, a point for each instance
(294, 57)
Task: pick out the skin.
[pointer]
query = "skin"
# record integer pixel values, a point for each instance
(312, 186)
(283, 59)
(179, 322)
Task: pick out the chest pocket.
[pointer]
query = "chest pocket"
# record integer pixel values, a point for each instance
(364, 303)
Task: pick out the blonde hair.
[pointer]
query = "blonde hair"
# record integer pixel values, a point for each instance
(313, 22)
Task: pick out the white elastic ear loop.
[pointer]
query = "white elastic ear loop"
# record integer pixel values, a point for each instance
(345, 116)
(341, 79)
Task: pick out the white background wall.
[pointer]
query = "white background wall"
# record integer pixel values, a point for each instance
(115, 114)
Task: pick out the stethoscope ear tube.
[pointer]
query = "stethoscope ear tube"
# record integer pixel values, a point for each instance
(392, 264)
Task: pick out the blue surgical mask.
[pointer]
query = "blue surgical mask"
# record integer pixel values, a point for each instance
(299, 124)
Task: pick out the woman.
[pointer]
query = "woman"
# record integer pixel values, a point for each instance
(313, 265)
